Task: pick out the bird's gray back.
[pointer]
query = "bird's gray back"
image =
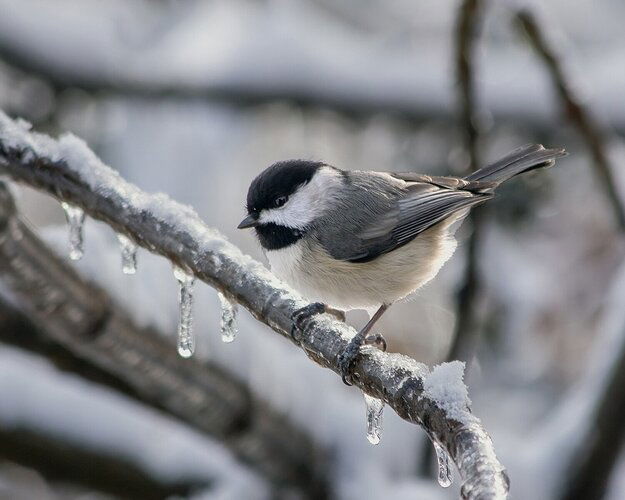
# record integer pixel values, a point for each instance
(378, 213)
(366, 197)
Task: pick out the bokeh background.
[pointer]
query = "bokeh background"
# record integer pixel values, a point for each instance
(194, 98)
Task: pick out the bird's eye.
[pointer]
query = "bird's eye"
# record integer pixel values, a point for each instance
(280, 201)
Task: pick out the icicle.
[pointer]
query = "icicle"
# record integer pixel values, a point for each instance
(375, 411)
(186, 340)
(129, 254)
(444, 468)
(75, 219)
(229, 312)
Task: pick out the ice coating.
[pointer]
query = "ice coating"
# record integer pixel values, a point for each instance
(444, 473)
(229, 312)
(375, 411)
(129, 254)
(82, 162)
(186, 340)
(75, 220)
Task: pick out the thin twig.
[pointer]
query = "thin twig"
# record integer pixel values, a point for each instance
(67, 169)
(578, 111)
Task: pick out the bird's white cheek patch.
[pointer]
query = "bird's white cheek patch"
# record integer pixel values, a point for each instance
(292, 215)
(307, 202)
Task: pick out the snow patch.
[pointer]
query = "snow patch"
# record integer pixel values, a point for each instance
(445, 386)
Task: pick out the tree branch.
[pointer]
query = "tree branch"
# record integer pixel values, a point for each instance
(597, 450)
(99, 341)
(18, 330)
(67, 169)
(62, 461)
(466, 330)
(577, 111)
(339, 88)
(592, 465)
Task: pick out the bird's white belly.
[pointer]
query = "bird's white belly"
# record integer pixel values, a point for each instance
(348, 285)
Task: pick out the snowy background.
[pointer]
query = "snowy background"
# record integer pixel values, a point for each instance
(194, 98)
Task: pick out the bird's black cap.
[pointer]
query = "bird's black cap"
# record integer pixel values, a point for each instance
(280, 179)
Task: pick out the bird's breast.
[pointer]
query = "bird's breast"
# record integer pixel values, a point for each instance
(310, 270)
(285, 262)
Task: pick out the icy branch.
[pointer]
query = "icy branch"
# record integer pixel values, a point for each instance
(67, 169)
(78, 326)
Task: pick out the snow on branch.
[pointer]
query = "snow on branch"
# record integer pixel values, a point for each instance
(82, 329)
(437, 401)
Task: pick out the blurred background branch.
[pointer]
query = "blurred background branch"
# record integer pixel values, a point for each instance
(579, 112)
(467, 33)
(598, 448)
(65, 463)
(152, 66)
(466, 328)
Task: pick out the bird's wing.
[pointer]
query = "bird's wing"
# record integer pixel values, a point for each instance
(426, 201)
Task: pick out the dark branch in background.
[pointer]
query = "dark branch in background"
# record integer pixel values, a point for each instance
(466, 330)
(88, 334)
(176, 232)
(591, 466)
(69, 463)
(590, 469)
(350, 105)
(467, 34)
(577, 111)
(60, 461)
(18, 330)
(413, 110)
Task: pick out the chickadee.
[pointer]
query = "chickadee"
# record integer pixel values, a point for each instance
(364, 240)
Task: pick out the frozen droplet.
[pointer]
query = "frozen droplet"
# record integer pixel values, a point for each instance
(229, 312)
(186, 340)
(375, 412)
(129, 254)
(444, 466)
(75, 219)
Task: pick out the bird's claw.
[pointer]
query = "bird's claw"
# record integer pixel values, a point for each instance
(377, 340)
(299, 317)
(347, 358)
(349, 355)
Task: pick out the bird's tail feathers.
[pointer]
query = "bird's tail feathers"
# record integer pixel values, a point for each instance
(523, 159)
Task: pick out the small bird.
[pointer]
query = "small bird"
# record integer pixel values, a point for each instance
(364, 240)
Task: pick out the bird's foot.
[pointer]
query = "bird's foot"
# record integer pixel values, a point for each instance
(300, 317)
(349, 355)
(376, 339)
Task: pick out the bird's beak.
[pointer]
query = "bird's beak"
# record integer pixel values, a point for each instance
(250, 221)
